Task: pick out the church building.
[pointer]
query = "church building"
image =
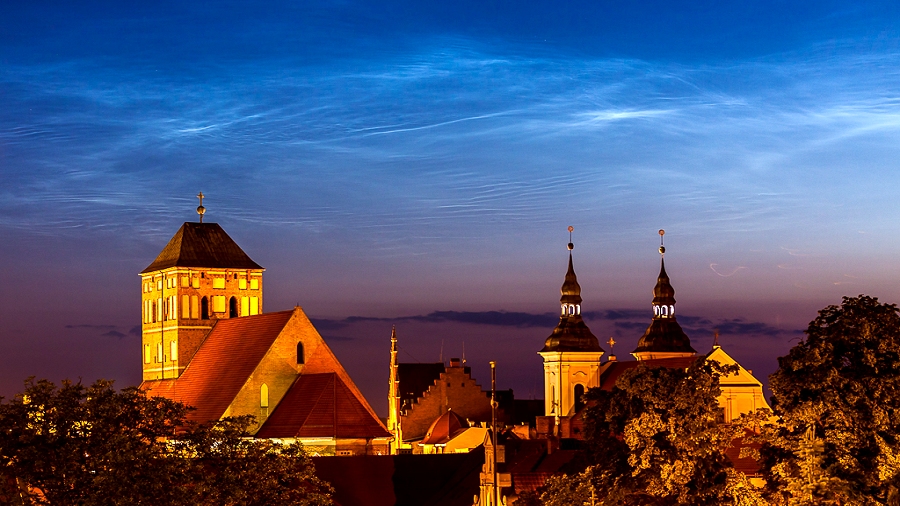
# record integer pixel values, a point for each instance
(572, 358)
(206, 342)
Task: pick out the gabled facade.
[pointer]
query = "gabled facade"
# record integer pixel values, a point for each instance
(420, 394)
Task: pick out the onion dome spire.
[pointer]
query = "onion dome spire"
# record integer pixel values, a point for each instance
(571, 334)
(664, 337)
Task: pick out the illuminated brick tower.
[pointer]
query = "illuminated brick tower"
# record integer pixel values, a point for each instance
(664, 337)
(201, 276)
(571, 354)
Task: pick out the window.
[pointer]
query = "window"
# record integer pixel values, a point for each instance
(147, 354)
(300, 357)
(233, 308)
(242, 283)
(195, 282)
(204, 309)
(186, 307)
(235, 275)
(254, 284)
(245, 306)
(579, 397)
(218, 303)
(159, 284)
(254, 305)
(195, 307)
(264, 396)
(173, 351)
(219, 283)
(185, 281)
(159, 353)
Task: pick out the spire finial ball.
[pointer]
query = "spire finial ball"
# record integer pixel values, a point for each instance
(662, 232)
(662, 250)
(200, 209)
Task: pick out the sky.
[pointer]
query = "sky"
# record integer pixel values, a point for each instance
(417, 163)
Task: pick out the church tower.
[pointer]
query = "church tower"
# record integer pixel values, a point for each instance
(664, 337)
(201, 276)
(571, 354)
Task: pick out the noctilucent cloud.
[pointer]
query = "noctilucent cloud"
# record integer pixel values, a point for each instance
(413, 164)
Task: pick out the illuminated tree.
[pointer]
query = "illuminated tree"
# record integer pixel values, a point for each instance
(837, 394)
(655, 439)
(94, 445)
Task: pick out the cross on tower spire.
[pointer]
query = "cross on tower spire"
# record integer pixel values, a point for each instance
(200, 209)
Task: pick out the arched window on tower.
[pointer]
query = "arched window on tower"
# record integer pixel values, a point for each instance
(579, 397)
(204, 309)
(300, 357)
(264, 396)
(233, 308)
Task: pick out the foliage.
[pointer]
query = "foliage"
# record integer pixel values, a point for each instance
(97, 446)
(563, 490)
(655, 439)
(838, 396)
(236, 470)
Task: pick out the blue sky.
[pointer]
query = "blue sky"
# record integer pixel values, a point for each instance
(393, 160)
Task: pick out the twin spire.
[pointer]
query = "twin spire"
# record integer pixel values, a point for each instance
(571, 334)
(664, 337)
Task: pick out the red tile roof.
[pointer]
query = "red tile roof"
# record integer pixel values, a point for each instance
(321, 405)
(202, 245)
(229, 354)
(529, 482)
(445, 428)
(611, 372)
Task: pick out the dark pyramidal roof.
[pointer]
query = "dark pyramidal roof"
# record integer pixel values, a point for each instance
(202, 245)
(664, 333)
(571, 334)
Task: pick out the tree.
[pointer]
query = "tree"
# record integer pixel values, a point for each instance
(97, 446)
(655, 439)
(837, 393)
(236, 470)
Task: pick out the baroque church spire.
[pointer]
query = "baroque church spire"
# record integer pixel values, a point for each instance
(664, 337)
(571, 334)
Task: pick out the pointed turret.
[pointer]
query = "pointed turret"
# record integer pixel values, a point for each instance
(664, 337)
(571, 334)
(571, 354)
(393, 424)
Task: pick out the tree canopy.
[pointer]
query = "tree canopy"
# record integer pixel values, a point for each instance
(94, 445)
(837, 394)
(654, 438)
